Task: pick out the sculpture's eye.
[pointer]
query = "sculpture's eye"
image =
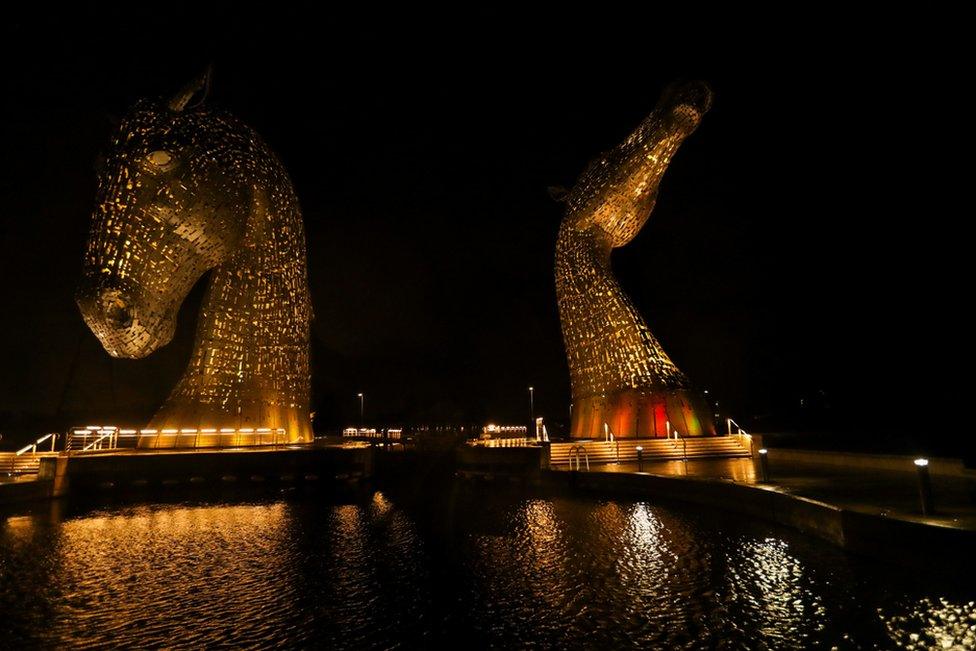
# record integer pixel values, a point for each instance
(161, 159)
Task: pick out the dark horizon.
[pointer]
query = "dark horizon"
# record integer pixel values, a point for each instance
(775, 268)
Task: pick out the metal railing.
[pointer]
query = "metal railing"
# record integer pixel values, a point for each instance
(27, 460)
(99, 438)
(33, 446)
(393, 434)
(745, 438)
(505, 443)
(738, 430)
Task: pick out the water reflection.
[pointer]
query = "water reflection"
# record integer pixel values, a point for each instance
(488, 570)
(933, 624)
(154, 570)
(769, 583)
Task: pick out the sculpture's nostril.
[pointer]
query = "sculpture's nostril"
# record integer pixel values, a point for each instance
(118, 314)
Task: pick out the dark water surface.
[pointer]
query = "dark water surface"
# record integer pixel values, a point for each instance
(472, 567)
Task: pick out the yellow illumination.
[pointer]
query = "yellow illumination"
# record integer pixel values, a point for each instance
(619, 373)
(150, 241)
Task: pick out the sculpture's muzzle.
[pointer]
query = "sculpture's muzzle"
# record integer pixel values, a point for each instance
(124, 325)
(686, 103)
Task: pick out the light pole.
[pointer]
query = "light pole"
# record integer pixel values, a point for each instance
(924, 485)
(532, 406)
(763, 465)
(360, 411)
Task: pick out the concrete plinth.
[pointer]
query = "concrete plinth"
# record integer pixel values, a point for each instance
(136, 469)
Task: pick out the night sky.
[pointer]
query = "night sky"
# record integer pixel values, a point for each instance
(798, 249)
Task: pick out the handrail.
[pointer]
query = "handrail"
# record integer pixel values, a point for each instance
(22, 463)
(738, 428)
(33, 446)
(97, 443)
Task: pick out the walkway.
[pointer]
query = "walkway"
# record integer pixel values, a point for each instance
(886, 493)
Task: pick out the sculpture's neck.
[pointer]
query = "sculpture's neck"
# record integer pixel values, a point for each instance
(250, 362)
(608, 344)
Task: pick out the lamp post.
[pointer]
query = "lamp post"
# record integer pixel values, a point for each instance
(640, 458)
(763, 465)
(532, 405)
(360, 396)
(924, 486)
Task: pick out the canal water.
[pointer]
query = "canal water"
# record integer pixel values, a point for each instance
(482, 568)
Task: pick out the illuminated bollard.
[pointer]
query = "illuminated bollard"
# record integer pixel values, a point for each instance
(640, 459)
(924, 486)
(763, 465)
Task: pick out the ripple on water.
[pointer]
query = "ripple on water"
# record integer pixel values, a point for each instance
(494, 571)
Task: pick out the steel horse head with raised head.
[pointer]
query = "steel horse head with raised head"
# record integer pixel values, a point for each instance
(622, 380)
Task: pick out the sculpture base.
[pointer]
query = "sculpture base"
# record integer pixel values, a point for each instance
(199, 426)
(642, 414)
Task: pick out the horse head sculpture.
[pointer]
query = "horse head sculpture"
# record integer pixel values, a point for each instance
(186, 189)
(621, 377)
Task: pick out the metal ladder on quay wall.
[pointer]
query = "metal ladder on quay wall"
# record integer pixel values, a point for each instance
(577, 450)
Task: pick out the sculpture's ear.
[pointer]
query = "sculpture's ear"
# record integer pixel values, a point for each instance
(196, 90)
(557, 193)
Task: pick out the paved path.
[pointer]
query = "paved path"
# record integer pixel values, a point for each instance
(888, 493)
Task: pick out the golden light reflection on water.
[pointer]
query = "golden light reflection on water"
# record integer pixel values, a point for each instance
(934, 624)
(381, 505)
(155, 568)
(507, 573)
(20, 525)
(766, 578)
(542, 555)
(647, 542)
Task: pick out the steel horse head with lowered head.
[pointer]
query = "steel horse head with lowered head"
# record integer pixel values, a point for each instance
(186, 189)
